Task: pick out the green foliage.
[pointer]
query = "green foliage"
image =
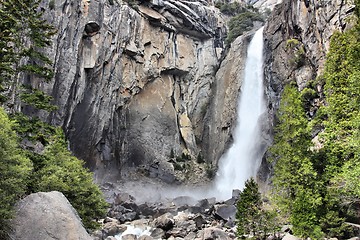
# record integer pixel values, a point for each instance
(319, 190)
(230, 8)
(15, 170)
(341, 137)
(172, 154)
(133, 4)
(23, 36)
(296, 48)
(32, 128)
(294, 173)
(241, 23)
(200, 158)
(38, 99)
(210, 171)
(52, 4)
(252, 218)
(248, 209)
(183, 157)
(65, 173)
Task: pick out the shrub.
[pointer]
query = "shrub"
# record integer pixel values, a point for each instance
(52, 4)
(15, 170)
(241, 23)
(65, 173)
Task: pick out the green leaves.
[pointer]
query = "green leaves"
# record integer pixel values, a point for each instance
(65, 173)
(38, 99)
(248, 209)
(23, 35)
(318, 188)
(15, 170)
(241, 23)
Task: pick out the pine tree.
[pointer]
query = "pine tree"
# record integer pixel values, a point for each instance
(248, 209)
(294, 173)
(24, 35)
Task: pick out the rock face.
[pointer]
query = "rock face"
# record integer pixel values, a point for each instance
(137, 84)
(134, 84)
(297, 37)
(47, 216)
(222, 110)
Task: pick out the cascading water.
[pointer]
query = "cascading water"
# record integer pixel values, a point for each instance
(243, 158)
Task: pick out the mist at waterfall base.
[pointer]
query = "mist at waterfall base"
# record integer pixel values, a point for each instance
(242, 159)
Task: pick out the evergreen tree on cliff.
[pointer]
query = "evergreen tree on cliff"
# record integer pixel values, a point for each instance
(24, 36)
(318, 188)
(248, 209)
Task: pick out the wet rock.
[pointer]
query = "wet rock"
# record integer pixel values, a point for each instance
(128, 217)
(165, 222)
(145, 237)
(158, 233)
(225, 212)
(121, 198)
(177, 232)
(214, 234)
(111, 238)
(112, 228)
(109, 219)
(129, 237)
(196, 209)
(147, 210)
(236, 193)
(190, 236)
(183, 201)
(199, 221)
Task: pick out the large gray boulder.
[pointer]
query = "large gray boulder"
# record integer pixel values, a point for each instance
(47, 216)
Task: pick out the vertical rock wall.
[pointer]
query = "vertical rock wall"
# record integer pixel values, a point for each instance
(134, 84)
(297, 38)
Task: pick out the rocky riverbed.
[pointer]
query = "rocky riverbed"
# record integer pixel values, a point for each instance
(182, 217)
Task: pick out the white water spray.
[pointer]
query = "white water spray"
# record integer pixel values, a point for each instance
(243, 159)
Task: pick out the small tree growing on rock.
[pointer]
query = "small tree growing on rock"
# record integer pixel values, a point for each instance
(248, 209)
(253, 219)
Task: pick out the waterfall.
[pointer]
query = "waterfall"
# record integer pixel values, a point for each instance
(243, 158)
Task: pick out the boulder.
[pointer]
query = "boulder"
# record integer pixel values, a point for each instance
(199, 221)
(145, 237)
(121, 198)
(214, 234)
(288, 236)
(165, 222)
(158, 233)
(225, 212)
(129, 237)
(47, 216)
(113, 228)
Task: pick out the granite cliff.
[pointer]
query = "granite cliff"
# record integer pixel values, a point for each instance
(141, 83)
(134, 83)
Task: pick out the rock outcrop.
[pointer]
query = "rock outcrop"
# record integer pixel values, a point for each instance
(47, 216)
(139, 84)
(297, 37)
(133, 83)
(222, 108)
